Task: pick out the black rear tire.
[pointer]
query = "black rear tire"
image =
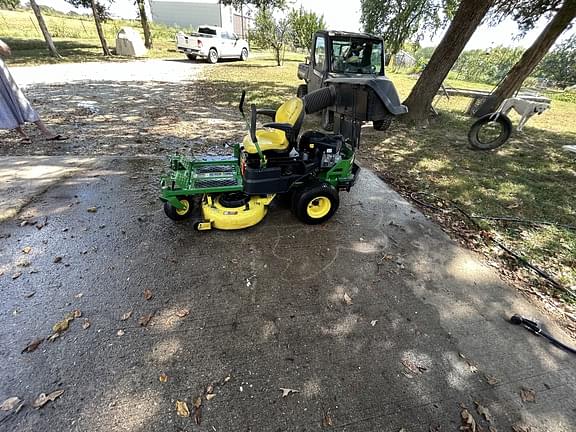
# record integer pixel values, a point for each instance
(476, 139)
(315, 204)
(191, 57)
(302, 91)
(384, 124)
(244, 54)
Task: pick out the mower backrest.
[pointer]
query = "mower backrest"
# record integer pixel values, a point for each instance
(291, 112)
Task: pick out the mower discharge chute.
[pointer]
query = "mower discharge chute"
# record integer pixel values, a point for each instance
(234, 192)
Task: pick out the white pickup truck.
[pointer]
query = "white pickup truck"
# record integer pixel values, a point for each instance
(212, 43)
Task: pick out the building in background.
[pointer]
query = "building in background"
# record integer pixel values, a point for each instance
(186, 14)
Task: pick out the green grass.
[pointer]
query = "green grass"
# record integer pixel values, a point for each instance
(530, 177)
(75, 38)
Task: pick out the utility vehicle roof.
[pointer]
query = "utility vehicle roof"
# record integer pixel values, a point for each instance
(338, 33)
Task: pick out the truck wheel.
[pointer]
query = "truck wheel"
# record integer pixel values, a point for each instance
(302, 91)
(179, 214)
(244, 54)
(212, 56)
(488, 134)
(315, 204)
(191, 56)
(384, 124)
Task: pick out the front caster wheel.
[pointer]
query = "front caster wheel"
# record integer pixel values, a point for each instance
(316, 204)
(179, 214)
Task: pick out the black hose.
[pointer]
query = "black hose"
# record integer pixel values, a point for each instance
(535, 328)
(319, 99)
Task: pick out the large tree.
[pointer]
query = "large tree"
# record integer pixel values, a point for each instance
(9, 4)
(303, 25)
(559, 66)
(144, 21)
(100, 13)
(466, 19)
(42, 24)
(259, 4)
(400, 20)
(526, 13)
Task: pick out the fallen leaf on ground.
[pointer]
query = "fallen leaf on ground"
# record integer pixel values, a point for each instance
(210, 396)
(30, 294)
(198, 415)
(228, 378)
(527, 395)
(210, 389)
(16, 275)
(327, 421)
(163, 377)
(120, 333)
(126, 316)
(86, 323)
(492, 429)
(470, 363)
(32, 346)
(287, 391)
(76, 313)
(198, 401)
(62, 326)
(373, 322)
(92, 209)
(483, 411)
(145, 319)
(492, 380)
(43, 399)
(347, 299)
(53, 337)
(182, 409)
(27, 250)
(412, 366)
(181, 313)
(57, 259)
(148, 294)
(79, 295)
(468, 422)
(10, 403)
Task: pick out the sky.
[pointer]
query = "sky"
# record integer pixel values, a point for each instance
(345, 15)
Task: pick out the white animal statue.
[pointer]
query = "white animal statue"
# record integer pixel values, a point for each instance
(524, 107)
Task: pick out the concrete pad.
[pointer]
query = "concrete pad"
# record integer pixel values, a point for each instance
(425, 330)
(23, 178)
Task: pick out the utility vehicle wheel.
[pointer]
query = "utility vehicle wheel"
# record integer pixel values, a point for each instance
(488, 133)
(191, 56)
(327, 121)
(384, 124)
(212, 56)
(244, 54)
(302, 91)
(315, 204)
(179, 214)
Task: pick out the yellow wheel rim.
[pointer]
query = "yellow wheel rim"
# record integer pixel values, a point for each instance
(183, 210)
(319, 207)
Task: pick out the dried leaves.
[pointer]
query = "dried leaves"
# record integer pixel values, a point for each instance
(148, 295)
(31, 347)
(182, 409)
(287, 391)
(182, 313)
(10, 403)
(327, 420)
(468, 422)
(163, 377)
(347, 299)
(483, 411)
(126, 316)
(470, 363)
(527, 395)
(43, 398)
(145, 319)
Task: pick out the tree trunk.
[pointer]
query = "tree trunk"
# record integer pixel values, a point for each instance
(278, 56)
(465, 21)
(531, 57)
(44, 29)
(98, 23)
(145, 24)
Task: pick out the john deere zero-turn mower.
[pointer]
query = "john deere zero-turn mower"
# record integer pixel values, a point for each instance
(234, 192)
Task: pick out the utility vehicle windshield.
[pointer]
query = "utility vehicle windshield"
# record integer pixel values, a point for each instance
(356, 55)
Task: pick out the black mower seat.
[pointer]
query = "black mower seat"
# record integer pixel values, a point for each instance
(291, 114)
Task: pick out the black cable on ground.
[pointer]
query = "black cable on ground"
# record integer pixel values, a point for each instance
(454, 207)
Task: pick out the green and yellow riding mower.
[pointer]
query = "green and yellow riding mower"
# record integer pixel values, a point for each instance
(234, 192)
